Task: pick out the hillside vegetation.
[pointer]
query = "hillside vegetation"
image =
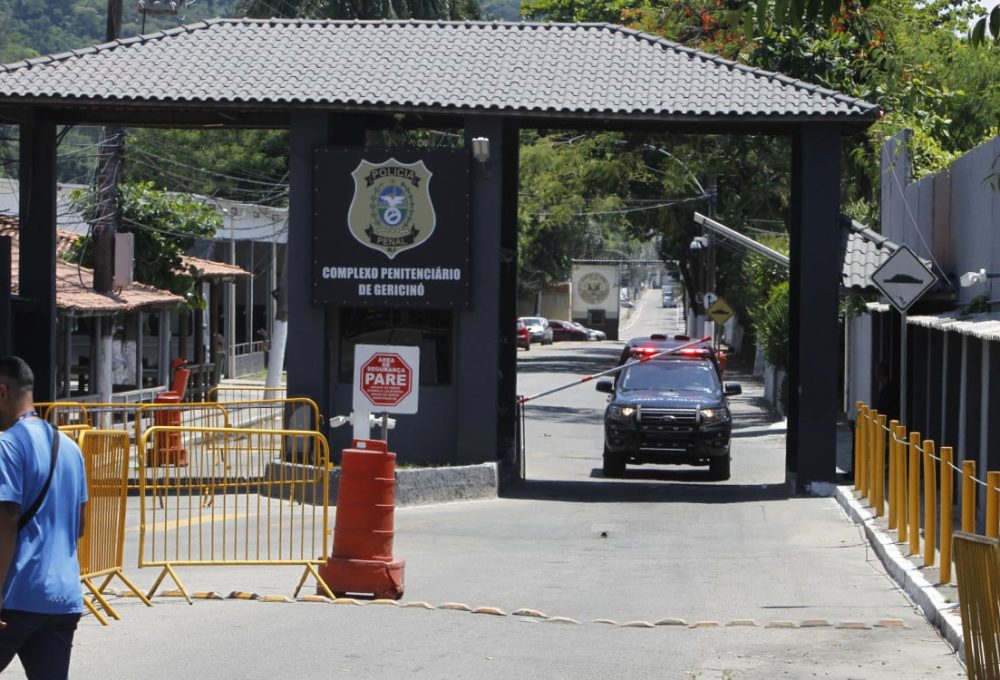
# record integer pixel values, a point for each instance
(29, 28)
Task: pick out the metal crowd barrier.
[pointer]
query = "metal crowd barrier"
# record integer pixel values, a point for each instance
(106, 459)
(218, 496)
(229, 393)
(978, 565)
(297, 413)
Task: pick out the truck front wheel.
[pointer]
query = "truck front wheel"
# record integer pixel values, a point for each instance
(614, 464)
(718, 467)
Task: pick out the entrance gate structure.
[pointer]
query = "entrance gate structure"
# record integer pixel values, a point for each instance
(331, 82)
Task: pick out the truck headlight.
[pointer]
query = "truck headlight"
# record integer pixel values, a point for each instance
(621, 413)
(714, 415)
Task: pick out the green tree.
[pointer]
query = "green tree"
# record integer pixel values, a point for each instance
(362, 9)
(242, 165)
(165, 226)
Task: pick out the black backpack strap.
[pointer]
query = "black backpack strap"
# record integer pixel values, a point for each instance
(26, 517)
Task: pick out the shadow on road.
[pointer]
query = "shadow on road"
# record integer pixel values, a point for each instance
(539, 414)
(584, 361)
(617, 491)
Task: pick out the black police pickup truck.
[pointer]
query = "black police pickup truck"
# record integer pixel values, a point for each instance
(671, 409)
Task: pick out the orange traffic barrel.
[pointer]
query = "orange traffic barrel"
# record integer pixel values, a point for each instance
(167, 448)
(362, 560)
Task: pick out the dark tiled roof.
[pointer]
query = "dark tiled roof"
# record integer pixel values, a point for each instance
(542, 70)
(864, 252)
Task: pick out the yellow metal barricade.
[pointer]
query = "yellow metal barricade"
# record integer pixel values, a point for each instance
(296, 413)
(977, 565)
(106, 456)
(100, 416)
(74, 432)
(64, 413)
(236, 497)
(231, 393)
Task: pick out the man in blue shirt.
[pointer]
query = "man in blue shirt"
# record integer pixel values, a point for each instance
(41, 599)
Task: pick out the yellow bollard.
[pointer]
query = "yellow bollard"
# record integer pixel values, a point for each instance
(930, 504)
(878, 493)
(872, 440)
(992, 504)
(900, 482)
(947, 519)
(914, 493)
(969, 496)
(859, 447)
(893, 455)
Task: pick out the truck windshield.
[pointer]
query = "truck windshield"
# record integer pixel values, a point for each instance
(694, 376)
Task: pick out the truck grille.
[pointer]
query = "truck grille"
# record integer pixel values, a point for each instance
(667, 421)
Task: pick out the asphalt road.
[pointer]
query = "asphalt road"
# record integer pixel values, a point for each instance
(760, 571)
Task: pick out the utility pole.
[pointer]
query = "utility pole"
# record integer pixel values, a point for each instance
(106, 206)
(105, 220)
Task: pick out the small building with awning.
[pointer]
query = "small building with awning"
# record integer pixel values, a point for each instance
(143, 345)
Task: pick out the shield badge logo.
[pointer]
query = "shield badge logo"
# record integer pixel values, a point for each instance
(594, 288)
(391, 210)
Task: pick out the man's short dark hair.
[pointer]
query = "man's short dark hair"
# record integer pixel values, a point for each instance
(16, 374)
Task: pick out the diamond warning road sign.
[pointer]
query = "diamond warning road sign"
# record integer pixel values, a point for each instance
(386, 378)
(903, 278)
(720, 311)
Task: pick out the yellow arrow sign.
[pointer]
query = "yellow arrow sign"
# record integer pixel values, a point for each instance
(720, 311)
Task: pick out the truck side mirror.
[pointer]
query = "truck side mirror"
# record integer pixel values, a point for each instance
(605, 386)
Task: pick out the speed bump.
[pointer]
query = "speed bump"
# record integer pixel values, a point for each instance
(235, 595)
(491, 611)
(419, 605)
(456, 606)
(638, 624)
(210, 595)
(561, 619)
(277, 598)
(529, 612)
(671, 622)
(315, 598)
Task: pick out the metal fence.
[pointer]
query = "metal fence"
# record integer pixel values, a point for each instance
(233, 497)
(101, 547)
(978, 562)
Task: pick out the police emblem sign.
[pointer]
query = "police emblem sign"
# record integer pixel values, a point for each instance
(391, 227)
(391, 210)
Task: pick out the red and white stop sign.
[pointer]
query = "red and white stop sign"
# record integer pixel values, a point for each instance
(386, 379)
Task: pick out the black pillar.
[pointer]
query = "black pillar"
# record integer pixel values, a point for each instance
(813, 299)
(36, 333)
(305, 359)
(477, 374)
(308, 350)
(5, 315)
(507, 309)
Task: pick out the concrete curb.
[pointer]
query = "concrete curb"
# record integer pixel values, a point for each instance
(414, 486)
(906, 575)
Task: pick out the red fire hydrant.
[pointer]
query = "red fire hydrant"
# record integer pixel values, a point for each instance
(167, 448)
(362, 560)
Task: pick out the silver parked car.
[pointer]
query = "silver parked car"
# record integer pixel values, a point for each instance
(538, 328)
